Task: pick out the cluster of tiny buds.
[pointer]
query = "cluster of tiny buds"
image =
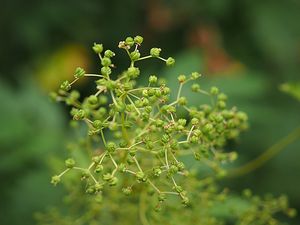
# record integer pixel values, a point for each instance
(148, 136)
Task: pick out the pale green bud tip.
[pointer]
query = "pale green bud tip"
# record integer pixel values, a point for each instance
(170, 61)
(55, 180)
(152, 79)
(79, 72)
(138, 39)
(70, 163)
(135, 55)
(129, 41)
(66, 86)
(106, 61)
(181, 78)
(79, 114)
(195, 87)
(155, 52)
(195, 75)
(98, 48)
(214, 90)
(111, 147)
(108, 53)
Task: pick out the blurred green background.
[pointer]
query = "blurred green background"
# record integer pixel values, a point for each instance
(246, 48)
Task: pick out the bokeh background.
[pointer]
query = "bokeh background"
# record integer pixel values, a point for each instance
(246, 48)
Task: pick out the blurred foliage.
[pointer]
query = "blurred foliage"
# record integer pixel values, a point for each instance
(31, 131)
(248, 48)
(292, 89)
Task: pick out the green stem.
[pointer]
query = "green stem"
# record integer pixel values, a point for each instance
(266, 155)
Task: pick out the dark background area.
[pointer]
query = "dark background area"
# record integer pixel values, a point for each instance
(246, 48)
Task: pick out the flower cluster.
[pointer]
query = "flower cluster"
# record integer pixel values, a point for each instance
(141, 136)
(142, 143)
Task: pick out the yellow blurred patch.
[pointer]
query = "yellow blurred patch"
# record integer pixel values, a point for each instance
(61, 65)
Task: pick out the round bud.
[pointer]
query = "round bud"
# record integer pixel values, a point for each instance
(98, 169)
(170, 61)
(70, 163)
(79, 114)
(55, 180)
(106, 61)
(92, 99)
(155, 52)
(195, 75)
(194, 121)
(105, 70)
(152, 79)
(133, 72)
(214, 90)
(181, 78)
(138, 40)
(102, 99)
(182, 101)
(195, 87)
(129, 41)
(127, 190)
(66, 86)
(111, 147)
(108, 53)
(135, 55)
(141, 177)
(79, 72)
(98, 48)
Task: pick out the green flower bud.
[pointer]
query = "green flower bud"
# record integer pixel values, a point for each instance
(214, 90)
(221, 104)
(181, 78)
(133, 72)
(155, 52)
(113, 181)
(98, 187)
(98, 48)
(173, 169)
(70, 163)
(182, 122)
(97, 124)
(108, 53)
(79, 72)
(92, 99)
(141, 177)
(111, 147)
(66, 86)
(195, 75)
(106, 61)
(222, 97)
(98, 169)
(162, 197)
(178, 189)
(152, 79)
(170, 61)
(129, 41)
(138, 40)
(55, 180)
(106, 70)
(135, 55)
(122, 167)
(194, 121)
(195, 87)
(127, 190)
(185, 200)
(107, 177)
(79, 114)
(180, 166)
(157, 171)
(182, 101)
(102, 99)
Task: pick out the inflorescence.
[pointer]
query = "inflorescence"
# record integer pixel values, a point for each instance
(141, 140)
